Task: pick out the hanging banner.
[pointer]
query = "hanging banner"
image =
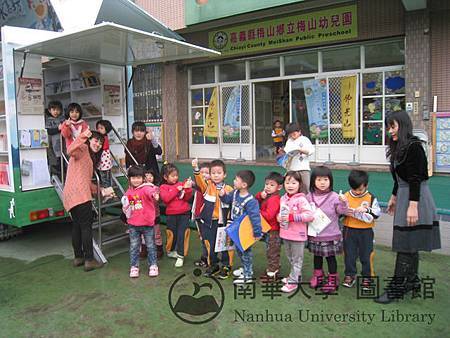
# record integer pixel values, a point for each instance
(317, 107)
(317, 27)
(348, 106)
(232, 117)
(212, 117)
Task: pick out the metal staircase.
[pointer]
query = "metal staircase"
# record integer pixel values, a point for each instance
(107, 222)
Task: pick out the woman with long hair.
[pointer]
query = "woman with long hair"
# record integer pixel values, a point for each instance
(85, 153)
(416, 225)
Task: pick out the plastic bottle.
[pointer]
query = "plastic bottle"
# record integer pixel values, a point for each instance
(284, 211)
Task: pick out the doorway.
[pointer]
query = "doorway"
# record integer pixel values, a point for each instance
(271, 104)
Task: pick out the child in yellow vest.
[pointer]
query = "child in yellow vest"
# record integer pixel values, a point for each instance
(358, 229)
(278, 134)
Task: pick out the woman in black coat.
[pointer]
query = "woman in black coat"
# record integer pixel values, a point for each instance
(416, 225)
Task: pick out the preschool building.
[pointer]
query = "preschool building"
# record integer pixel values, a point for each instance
(338, 68)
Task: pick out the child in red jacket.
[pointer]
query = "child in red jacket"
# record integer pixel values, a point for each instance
(269, 200)
(176, 196)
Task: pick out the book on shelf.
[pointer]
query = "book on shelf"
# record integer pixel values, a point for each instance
(90, 79)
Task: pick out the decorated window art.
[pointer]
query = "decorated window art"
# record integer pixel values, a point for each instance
(442, 142)
(394, 82)
(373, 109)
(372, 84)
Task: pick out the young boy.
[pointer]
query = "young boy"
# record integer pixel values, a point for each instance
(197, 206)
(144, 149)
(269, 201)
(53, 118)
(278, 135)
(358, 228)
(242, 201)
(213, 215)
(302, 149)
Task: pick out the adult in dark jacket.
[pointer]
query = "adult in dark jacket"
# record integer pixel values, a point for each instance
(144, 148)
(416, 226)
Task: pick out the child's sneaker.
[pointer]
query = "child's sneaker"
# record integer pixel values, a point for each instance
(238, 272)
(289, 287)
(180, 261)
(211, 271)
(349, 281)
(172, 254)
(224, 273)
(153, 271)
(134, 272)
(243, 280)
(284, 280)
(269, 277)
(202, 262)
(367, 284)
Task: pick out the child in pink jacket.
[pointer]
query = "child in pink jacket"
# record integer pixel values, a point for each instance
(139, 207)
(328, 243)
(74, 125)
(295, 212)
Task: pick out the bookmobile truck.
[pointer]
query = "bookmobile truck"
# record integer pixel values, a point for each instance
(92, 66)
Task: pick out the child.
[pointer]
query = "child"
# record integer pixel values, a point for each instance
(176, 196)
(243, 202)
(358, 228)
(144, 149)
(150, 179)
(269, 201)
(197, 207)
(74, 124)
(295, 212)
(139, 207)
(53, 118)
(303, 149)
(213, 216)
(278, 136)
(105, 165)
(329, 241)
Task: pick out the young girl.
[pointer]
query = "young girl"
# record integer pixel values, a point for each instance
(329, 241)
(150, 179)
(139, 207)
(176, 196)
(74, 125)
(295, 212)
(105, 165)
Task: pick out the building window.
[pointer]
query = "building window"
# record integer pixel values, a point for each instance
(233, 71)
(202, 75)
(303, 63)
(261, 68)
(341, 59)
(200, 99)
(382, 94)
(147, 92)
(385, 54)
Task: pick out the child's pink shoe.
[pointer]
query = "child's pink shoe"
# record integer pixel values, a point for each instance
(153, 271)
(134, 272)
(332, 283)
(289, 287)
(316, 279)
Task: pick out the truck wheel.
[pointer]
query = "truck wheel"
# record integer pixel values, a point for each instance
(8, 231)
